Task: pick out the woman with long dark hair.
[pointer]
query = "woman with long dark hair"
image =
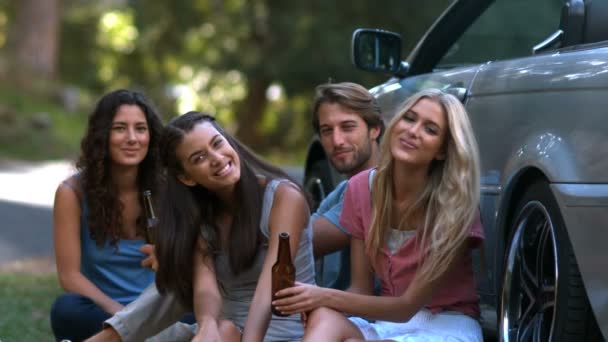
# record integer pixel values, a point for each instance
(98, 215)
(220, 219)
(414, 222)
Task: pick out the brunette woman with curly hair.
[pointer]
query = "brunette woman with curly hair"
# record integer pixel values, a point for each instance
(98, 215)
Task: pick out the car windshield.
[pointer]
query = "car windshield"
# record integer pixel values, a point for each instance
(411, 19)
(507, 29)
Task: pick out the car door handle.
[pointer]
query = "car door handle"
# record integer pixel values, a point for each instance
(460, 93)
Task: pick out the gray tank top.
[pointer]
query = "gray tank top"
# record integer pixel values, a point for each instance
(237, 291)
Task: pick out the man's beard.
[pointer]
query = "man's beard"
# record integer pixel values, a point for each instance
(361, 157)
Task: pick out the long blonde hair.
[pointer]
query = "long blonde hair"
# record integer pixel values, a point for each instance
(450, 198)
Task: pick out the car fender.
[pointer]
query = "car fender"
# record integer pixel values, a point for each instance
(583, 208)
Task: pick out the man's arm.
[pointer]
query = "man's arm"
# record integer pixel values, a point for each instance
(328, 235)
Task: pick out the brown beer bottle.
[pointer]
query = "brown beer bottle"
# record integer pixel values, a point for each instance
(151, 220)
(283, 271)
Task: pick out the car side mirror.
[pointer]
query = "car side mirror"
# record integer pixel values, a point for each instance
(378, 51)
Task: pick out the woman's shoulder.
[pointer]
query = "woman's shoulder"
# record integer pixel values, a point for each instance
(287, 197)
(71, 184)
(277, 190)
(286, 190)
(68, 197)
(360, 179)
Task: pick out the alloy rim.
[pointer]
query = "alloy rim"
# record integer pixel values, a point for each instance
(315, 187)
(531, 277)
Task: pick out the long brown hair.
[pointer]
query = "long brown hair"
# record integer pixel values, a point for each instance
(104, 208)
(450, 198)
(187, 212)
(351, 96)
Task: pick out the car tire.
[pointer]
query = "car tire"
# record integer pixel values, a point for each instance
(318, 182)
(330, 270)
(543, 297)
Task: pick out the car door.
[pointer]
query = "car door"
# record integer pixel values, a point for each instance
(537, 105)
(532, 75)
(501, 41)
(487, 55)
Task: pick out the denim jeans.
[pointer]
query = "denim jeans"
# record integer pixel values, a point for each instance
(75, 317)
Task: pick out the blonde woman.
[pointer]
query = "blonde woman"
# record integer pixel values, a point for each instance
(414, 222)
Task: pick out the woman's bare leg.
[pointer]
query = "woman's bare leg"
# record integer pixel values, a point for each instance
(325, 324)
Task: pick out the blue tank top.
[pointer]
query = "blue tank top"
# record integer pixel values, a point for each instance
(115, 269)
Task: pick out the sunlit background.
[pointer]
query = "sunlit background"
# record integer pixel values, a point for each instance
(253, 64)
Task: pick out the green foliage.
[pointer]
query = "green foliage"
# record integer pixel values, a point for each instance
(79, 49)
(36, 127)
(3, 26)
(26, 303)
(216, 55)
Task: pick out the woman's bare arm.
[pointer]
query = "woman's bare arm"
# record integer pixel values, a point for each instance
(361, 273)
(397, 309)
(289, 214)
(66, 236)
(206, 294)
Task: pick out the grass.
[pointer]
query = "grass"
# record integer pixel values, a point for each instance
(35, 127)
(25, 303)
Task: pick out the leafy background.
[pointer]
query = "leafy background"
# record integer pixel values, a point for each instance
(254, 64)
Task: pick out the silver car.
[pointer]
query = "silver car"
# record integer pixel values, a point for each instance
(533, 75)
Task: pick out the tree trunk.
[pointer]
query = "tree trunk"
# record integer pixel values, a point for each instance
(251, 114)
(35, 38)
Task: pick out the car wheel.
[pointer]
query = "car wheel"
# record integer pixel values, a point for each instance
(318, 182)
(543, 297)
(330, 269)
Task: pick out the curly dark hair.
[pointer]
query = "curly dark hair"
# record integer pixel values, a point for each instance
(104, 208)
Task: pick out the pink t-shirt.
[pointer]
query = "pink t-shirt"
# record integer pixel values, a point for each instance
(397, 271)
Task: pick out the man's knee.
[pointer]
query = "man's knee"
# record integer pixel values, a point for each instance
(229, 331)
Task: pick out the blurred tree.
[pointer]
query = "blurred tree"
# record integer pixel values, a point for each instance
(34, 39)
(78, 60)
(300, 44)
(296, 44)
(254, 63)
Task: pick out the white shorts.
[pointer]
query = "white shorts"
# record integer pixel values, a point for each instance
(424, 326)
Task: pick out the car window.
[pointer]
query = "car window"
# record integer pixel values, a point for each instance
(507, 29)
